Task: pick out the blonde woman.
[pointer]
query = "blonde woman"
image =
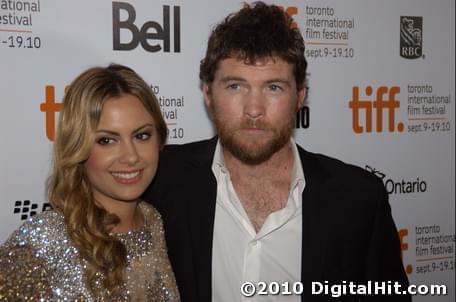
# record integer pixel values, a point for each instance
(100, 242)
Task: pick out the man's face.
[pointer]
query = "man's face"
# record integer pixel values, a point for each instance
(254, 106)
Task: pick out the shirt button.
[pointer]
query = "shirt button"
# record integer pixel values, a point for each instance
(254, 242)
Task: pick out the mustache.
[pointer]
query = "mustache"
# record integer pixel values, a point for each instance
(254, 124)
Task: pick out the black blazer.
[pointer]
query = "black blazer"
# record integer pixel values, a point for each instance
(347, 233)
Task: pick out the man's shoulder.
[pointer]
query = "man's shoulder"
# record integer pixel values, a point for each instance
(336, 168)
(178, 148)
(199, 150)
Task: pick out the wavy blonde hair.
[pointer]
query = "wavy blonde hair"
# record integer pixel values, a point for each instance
(69, 189)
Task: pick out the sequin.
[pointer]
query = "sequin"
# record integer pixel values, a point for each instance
(38, 263)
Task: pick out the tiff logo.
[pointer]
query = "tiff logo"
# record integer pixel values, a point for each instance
(291, 11)
(403, 233)
(383, 99)
(50, 107)
(411, 37)
(27, 209)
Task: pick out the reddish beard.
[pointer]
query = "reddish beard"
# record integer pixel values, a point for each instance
(253, 151)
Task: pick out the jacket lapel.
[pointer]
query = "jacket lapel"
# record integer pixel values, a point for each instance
(201, 215)
(314, 220)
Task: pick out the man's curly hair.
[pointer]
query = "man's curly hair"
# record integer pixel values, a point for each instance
(255, 32)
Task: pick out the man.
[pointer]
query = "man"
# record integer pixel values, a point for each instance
(250, 205)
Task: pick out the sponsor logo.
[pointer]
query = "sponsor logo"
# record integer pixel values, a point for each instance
(27, 209)
(291, 11)
(50, 108)
(411, 37)
(149, 34)
(403, 186)
(403, 233)
(384, 99)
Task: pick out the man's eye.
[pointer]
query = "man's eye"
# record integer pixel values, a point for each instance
(143, 136)
(105, 141)
(234, 86)
(275, 88)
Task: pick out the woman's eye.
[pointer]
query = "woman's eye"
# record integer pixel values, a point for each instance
(105, 141)
(143, 136)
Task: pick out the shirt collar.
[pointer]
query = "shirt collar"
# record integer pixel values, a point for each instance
(297, 176)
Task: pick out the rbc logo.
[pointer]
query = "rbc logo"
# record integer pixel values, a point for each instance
(385, 98)
(411, 37)
(148, 32)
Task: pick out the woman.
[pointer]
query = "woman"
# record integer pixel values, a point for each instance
(100, 242)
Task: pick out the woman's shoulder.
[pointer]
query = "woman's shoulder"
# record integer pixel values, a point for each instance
(23, 266)
(41, 229)
(150, 212)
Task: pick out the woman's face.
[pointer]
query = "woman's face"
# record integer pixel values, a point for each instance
(124, 157)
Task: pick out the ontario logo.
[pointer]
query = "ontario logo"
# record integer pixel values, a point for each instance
(411, 37)
(402, 186)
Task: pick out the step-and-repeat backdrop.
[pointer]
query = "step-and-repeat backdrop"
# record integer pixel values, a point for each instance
(381, 78)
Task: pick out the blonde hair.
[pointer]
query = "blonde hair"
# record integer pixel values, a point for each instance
(69, 189)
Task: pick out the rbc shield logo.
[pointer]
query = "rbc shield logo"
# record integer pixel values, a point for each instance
(411, 37)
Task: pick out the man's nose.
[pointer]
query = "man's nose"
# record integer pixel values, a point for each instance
(254, 104)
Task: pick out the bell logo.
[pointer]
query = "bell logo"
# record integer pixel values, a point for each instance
(384, 99)
(149, 31)
(50, 107)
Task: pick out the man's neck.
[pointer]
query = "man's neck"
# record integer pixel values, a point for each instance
(276, 164)
(262, 189)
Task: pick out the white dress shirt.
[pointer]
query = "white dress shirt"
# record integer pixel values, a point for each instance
(241, 254)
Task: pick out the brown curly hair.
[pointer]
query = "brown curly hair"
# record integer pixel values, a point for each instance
(255, 32)
(68, 187)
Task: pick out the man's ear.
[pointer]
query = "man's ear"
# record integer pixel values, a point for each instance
(302, 94)
(207, 95)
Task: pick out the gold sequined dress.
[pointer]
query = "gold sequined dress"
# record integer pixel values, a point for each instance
(39, 263)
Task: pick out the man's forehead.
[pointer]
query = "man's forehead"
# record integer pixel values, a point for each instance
(271, 64)
(241, 58)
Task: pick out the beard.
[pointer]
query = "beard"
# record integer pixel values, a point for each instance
(251, 150)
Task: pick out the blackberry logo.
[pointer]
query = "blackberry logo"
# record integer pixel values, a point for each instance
(411, 40)
(27, 209)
